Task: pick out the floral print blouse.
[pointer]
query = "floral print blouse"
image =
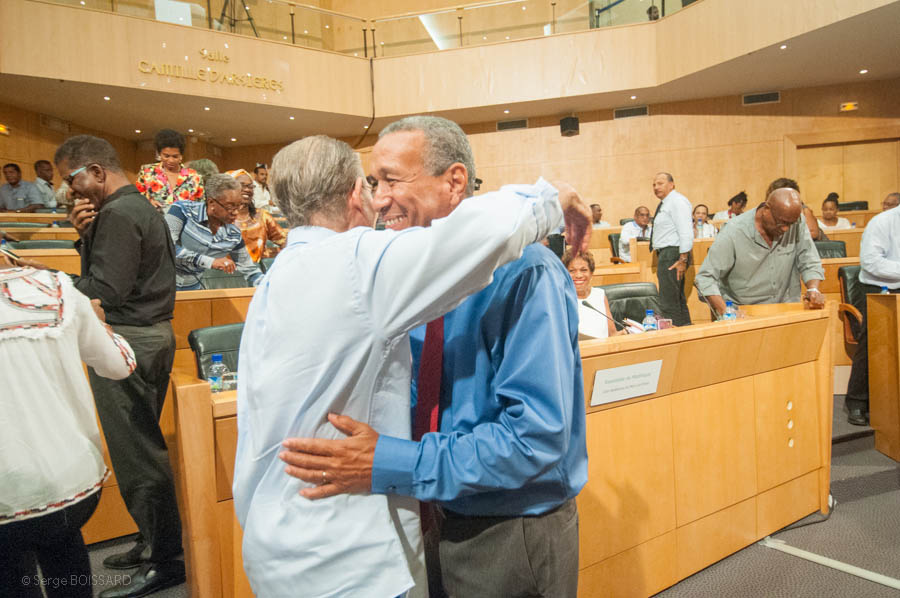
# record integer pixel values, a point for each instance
(154, 184)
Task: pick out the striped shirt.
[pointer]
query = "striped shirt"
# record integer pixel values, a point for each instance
(196, 247)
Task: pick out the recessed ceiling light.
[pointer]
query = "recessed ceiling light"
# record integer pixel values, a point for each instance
(506, 111)
(523, 8)
(283, 37)
(291, 117)
(356, 53)
(206, 108)
(365, 126)
(106, 98)
(483, 37)
(507, 37)
(783, 46)
(306, 31)
(234, 139)
(863, 71)
(327, 26)
(633, 97)
(137, 130)
(82, 2)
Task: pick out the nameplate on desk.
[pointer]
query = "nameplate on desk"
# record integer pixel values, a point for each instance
(625, 382)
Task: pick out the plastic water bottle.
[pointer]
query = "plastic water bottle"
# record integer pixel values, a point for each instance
(730, 311)
(884, 290)
(649, 322)
(216, 371)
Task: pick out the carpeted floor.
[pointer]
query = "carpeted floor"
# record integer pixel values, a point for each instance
(864, 530)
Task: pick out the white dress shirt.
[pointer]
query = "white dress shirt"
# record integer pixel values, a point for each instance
(46, 191)
(673, 225)
(590, 323)
(326, 332)
(879, 251)
(723, 215)
(261, 196)
(704, 230)
(630, 230)
(601, 224)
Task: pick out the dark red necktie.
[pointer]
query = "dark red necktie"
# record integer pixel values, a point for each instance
(428, 390)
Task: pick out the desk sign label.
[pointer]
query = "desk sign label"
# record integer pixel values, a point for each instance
(625, 382)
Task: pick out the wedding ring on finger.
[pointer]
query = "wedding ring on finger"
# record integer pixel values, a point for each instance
(324, 477)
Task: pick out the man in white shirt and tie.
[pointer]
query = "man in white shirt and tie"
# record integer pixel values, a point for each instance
(639, 228)
(672, 238)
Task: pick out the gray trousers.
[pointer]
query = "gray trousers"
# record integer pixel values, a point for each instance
(509, 557)
(672, 301)
(129, 412)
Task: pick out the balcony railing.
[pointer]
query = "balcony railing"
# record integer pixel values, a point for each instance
(409, 33)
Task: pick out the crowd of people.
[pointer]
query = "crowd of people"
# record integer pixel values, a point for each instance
(454, 309)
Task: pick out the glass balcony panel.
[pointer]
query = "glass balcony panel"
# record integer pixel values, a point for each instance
(509, 20)
(417, 34)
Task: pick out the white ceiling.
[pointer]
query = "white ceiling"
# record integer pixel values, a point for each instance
(830, 55)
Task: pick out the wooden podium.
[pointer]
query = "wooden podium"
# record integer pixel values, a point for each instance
(884, 372)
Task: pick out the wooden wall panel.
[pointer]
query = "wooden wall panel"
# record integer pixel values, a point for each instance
(820, 171)
(870, 171)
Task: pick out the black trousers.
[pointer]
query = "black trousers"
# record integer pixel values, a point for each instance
(129, 411)
(858, 386)
(508, 557)
(54, 540)
(672, 301)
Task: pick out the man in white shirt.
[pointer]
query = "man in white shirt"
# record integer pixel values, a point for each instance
(341, 346)
(261, 196)
(639, 228)
(597, 216)
(672, 238)
(43, 180)
(879, 260)
(891, 200)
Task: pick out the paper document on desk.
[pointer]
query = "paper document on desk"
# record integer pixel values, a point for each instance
(625, 382)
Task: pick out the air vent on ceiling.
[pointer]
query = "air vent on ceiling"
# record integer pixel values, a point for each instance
(509, 125)
(55, 124)
(769, 97)
(631, 111)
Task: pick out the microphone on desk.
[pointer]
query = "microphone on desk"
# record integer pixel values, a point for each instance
(613, 320)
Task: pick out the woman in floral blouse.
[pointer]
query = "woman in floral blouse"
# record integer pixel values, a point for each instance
(169, 180)
(257, 225)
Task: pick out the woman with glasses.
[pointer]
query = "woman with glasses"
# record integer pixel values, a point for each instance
(258, 227)
(169, 180)
(206, 236)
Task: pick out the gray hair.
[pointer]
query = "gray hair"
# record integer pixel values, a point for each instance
(446, 144)
(667, 175)
(204, 167)
(314, 175)
(215, 185)
(82, 150)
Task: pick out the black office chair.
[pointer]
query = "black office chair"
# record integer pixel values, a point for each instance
(224, 339)
(266, 263)
(631, 299)
(831, 249)
(216, 279)
(557, 244)
(849, 206)
(43, 244)
(624, 221)
(614, 248)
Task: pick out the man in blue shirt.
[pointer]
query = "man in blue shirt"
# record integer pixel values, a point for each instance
(508, 456)
(18, 195)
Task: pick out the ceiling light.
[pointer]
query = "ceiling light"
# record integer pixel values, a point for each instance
(356, 53)
(863, 71)
(365, 126)
(137, 130)
(283, 37)
(206, 108)
(291, 117)
(633, 97)
(483, 37)
(306, 31)
(106, 98)
(233, 139)
(523, 8)
(185, 57)
(190, 130)
(783, 46)
(82, 2)
(327, 26)
(226, 45)
(506, 111)
(507, 37)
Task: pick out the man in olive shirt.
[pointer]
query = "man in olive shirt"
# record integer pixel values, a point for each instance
(761, 256)
(128, 262)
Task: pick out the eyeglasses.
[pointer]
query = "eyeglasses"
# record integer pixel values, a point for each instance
(68, 179)
(230, 210)
(778, 222)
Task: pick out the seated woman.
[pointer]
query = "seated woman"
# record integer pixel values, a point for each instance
(169, 180)
(205, 235)
(702, 228)
(830, 219)
(257, 225)
(50, 450)
(736, 207)
(593, 307)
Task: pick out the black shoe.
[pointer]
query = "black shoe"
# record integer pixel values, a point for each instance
(858, 417)
(150, 578)
(126, 560)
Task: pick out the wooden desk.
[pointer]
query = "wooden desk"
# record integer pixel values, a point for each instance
(600, 237)
(884, 371)
(33, 234)
(24, 217)
(193, 309)
(615, 273)
(734, 445)
(66, 260)
(851, 238)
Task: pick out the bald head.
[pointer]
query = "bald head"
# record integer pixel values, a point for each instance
(784, 209)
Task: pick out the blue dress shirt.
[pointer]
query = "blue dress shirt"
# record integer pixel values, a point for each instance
(19, 197)
(512, 427)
